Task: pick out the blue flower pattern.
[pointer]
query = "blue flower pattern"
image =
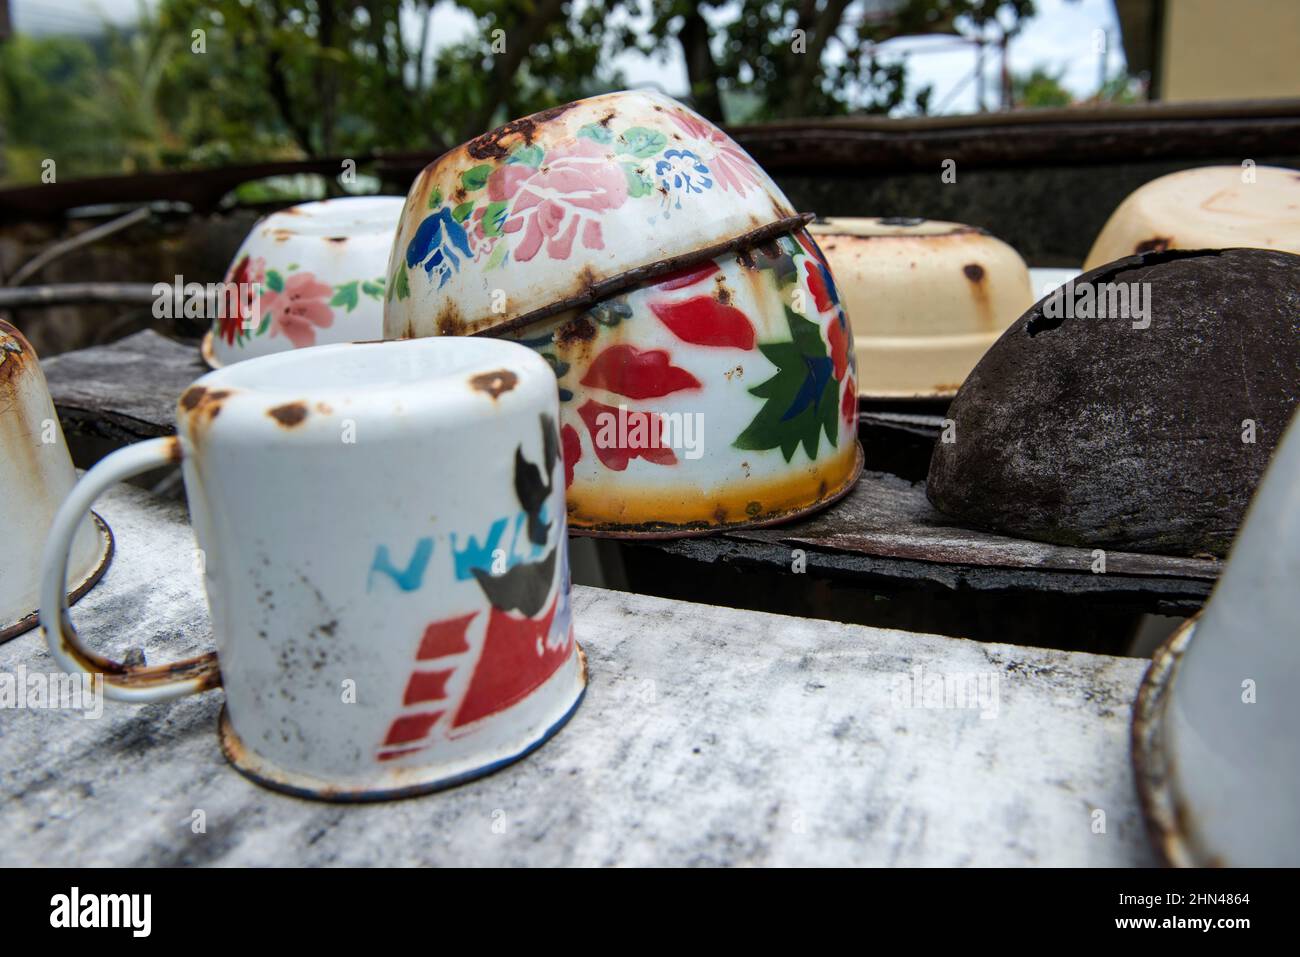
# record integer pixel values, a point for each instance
(436, 244)
(682, 171)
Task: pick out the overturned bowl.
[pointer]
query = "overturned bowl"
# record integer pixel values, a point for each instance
(1210, 207)
(36, 475)
(721, 395)
(927, 299)
(556, 210)
(306, 276)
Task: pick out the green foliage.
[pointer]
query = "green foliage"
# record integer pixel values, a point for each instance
(281, 79)
(1040, 87)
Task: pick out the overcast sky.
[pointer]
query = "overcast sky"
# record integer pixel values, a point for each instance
(1060, 37)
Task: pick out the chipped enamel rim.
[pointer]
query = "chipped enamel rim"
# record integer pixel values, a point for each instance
(106, 547)
(1168, 818)
(414, 782)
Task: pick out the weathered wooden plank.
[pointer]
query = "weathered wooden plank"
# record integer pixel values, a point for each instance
(124, 391)
(708, 736)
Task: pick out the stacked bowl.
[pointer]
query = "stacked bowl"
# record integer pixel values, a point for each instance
(705, 364)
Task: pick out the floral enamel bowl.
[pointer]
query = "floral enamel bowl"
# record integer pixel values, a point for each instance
(306, 276)
(559, 209)
(717, 396)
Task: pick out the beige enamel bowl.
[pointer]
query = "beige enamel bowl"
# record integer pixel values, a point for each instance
(1213, 207)
(925, 298)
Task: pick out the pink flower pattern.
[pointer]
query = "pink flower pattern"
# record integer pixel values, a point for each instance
(557, 203)
(299, 309)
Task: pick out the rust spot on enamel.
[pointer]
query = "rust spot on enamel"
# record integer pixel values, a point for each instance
(289, 415)
(1156, 244)
(580, 329)
(974, 272)
(192, 397)
(494, 383)
(173, 449)
(336, 239)
(491, 145)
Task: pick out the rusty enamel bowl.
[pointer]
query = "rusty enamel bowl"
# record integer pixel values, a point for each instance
(720, 395)
(312, 274)
(36, 475)
(554, 211)
(1212, 207)
(927, 299)
(1214, 727)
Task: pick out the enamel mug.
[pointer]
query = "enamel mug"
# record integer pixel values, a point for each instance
(382, 528)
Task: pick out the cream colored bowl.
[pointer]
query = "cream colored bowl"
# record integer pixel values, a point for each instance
(925, 298)
(36, 475)
(1213, 207)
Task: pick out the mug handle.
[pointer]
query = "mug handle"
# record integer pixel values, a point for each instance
(122, 682)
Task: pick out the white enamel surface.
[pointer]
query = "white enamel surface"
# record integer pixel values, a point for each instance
(302, 246)
(920, 322)
(35, 478)
(1236, 765)
(580, 185)
(1212, 207)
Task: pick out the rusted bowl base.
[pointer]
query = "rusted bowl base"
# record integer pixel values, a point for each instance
(1165, 812)
(28, 622)
(662, 530)
(415, 781)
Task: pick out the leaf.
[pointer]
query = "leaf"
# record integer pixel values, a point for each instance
(497, 257)
(594, 131)
(263, 325)
(374, 289)
(638, 184)
(527, 156)
(402, 285)
(801, 400)
(494, 217)
(641, 142)
(346, 295)
(461, 212)
(435, 198)
(476, 177)
(274, 281)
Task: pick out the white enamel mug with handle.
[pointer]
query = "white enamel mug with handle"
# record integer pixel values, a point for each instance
(384, 546)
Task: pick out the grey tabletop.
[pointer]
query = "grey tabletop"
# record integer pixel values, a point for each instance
(708, 736)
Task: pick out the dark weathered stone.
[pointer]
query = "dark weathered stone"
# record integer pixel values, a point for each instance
(1094, 433)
